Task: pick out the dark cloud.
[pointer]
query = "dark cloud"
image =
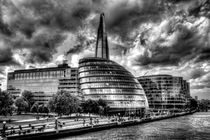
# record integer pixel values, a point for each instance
(123, 17)
(202, 82)
(197, 73)
(180, 44)
(82, 43)
(199, 8)
(52, 18)
(6, 57)
(62, 14)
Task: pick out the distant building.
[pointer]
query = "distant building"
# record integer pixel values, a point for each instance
(196, 97)
(165, 92)
(101, 78)
(43, 82)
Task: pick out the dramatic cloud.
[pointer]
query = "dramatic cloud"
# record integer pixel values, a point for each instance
(145, 36)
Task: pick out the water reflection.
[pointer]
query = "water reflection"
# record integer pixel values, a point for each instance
(191, 127)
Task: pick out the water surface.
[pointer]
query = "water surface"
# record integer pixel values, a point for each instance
(190, 127)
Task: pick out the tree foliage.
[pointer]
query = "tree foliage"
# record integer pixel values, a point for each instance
(94, 106)
(21, 105)
(43, 109)
(63, 103)
(34, 108)
(6, 103)
(28, 97)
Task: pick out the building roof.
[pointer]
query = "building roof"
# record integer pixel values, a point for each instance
(59, 67)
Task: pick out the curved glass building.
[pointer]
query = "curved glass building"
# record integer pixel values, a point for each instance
(165, 92)
(101, 78)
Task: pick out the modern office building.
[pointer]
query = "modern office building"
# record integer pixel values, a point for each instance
(101, 78)
(43, 82)
(165, 92)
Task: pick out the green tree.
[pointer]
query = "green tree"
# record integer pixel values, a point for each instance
(21, 105)
(28, 97)
(63, 103)
(6, 103)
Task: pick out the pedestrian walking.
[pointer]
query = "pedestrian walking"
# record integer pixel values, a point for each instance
(83, 122)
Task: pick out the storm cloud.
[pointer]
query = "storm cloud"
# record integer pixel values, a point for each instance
(164, 36)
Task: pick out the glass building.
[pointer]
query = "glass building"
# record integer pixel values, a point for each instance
(101, 78)
(165, 92)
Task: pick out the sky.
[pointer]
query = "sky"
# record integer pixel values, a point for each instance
(145, 36)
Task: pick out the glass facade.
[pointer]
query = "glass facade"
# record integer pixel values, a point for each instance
(104, 79)
(165, 92)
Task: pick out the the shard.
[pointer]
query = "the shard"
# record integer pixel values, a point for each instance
(102, 49)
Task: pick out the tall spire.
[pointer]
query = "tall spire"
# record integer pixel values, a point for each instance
(102, 49)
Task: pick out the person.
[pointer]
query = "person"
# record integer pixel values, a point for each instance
(91, 120)
(83, 122)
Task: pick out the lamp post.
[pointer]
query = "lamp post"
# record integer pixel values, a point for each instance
(4, 129)
(56, 124)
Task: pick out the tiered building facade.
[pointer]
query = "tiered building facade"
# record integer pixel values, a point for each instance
(43, 82)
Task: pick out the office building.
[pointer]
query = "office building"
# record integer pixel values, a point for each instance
(165, 92)
(43, 82)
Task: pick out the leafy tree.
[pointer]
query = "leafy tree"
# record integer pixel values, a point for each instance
(193, 104)
(6, 103)
(28, 97)
(34, 108)
(43, 109)
(63, 103)
(95, 106)
(90, 106)
(102, 103)
(21, 105)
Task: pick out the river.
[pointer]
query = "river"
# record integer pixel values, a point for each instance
(190, 127)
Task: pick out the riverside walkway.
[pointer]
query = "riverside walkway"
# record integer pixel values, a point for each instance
(62, 128)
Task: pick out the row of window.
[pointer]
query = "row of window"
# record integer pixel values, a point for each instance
(94, 73)
(115, 79)
(118, 97)
(115, 85)
(160, 78)
(103, 68)
(96, 63)
(113, 91)
(45, 74)
(127, 104)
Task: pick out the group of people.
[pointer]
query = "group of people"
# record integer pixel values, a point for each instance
(92, 121)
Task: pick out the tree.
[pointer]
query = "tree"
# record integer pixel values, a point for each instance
(6, 103)
(193, 104)
(28, 97)
(34, 108)
(95, 106)
(63, 103)
(90, 106)
(21, 105)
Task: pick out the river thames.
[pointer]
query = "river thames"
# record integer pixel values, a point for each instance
(190, 127)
